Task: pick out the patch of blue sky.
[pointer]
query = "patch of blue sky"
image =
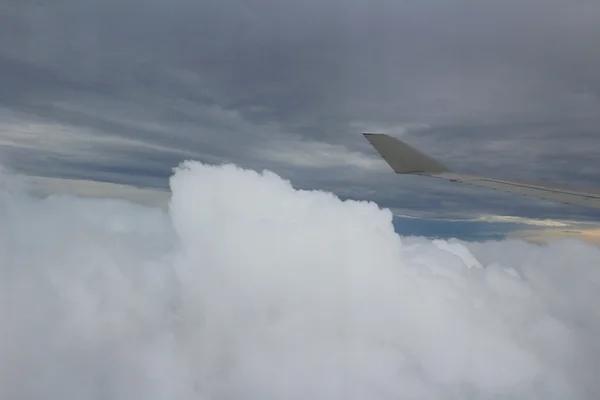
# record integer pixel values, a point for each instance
(446, 229)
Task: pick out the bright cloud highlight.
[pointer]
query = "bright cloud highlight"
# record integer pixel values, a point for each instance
(246, 288)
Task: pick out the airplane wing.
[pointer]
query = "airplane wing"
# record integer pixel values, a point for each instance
(405, 159)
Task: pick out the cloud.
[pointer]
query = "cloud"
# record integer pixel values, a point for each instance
(466, 226)
(499, 88)
(249, 288)
(507, 219)
(526, 221)
(44, 187)
(591, 235)
(313, 154)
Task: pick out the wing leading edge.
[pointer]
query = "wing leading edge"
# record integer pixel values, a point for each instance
(405, 159)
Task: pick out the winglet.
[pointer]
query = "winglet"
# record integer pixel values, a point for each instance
(403, 158)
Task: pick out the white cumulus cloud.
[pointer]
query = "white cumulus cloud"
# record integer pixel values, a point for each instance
(246, 288)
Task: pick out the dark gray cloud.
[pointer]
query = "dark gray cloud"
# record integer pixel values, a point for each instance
(123, 90)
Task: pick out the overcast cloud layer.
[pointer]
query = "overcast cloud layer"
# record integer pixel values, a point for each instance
(123, 90)
(249, 289)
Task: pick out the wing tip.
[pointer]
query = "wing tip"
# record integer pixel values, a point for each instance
(402, 158)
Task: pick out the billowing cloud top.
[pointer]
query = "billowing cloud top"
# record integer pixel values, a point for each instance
(248, 288)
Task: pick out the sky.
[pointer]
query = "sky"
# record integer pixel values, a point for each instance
(247, 288)
(123, 91)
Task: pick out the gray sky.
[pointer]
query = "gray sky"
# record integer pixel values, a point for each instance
(121, 91)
